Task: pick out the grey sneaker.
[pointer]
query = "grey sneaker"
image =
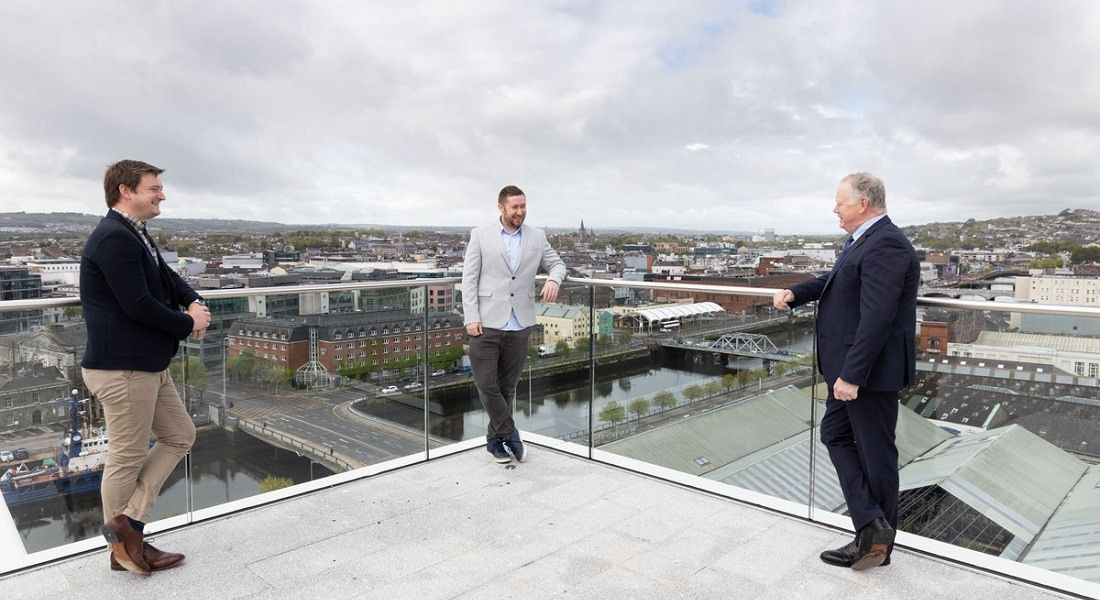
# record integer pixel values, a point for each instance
(515, 445)
(496, 448)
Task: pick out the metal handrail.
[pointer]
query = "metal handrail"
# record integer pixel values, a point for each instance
(930, 301)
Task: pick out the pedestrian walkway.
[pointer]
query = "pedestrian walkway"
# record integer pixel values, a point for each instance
(464, 527)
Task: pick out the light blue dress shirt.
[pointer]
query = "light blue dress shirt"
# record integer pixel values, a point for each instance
(867, 225)
(513, 243)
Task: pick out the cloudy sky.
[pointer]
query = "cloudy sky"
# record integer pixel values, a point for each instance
(709, 115)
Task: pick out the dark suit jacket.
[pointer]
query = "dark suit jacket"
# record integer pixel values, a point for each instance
(131, 303)
(866, 315)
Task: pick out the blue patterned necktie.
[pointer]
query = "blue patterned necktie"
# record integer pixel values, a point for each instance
(840, 257)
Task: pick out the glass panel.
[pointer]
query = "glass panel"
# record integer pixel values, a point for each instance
(319, 389)
(553, 394)
(1000, 439)
(52, 501)
(51, 481)
(710, 384)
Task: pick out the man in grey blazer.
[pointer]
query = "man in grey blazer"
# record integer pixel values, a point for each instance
(498, 305)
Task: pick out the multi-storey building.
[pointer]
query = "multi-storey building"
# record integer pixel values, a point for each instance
(18, 283)
(56, 272)
(1076, 355)
(1057, 289)
(372, 341)
(32, 395)
(441, 298)
(563, 322)
(58, 347)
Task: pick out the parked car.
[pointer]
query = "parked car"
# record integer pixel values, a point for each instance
(390, 389)
(416, 385)
(6, 456)
(21, 454)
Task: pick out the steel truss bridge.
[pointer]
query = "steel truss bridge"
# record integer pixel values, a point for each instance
(753, 345)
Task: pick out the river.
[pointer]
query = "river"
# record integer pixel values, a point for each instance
(226, 466)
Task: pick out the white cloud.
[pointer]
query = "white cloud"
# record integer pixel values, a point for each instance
(417, 113)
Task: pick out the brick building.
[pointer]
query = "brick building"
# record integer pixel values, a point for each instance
(375, 340)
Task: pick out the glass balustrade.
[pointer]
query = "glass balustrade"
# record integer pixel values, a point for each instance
(296, 388)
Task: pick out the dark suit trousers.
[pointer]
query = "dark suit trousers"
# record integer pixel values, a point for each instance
(860, 438)
(496, 357)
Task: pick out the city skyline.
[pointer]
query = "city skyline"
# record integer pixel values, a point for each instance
(715, 116)
(27, 222)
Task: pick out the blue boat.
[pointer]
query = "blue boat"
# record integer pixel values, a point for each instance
(77, 470)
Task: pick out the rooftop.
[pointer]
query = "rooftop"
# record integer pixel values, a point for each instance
(557, 526)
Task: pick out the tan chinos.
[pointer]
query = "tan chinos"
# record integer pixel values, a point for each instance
(138, 406)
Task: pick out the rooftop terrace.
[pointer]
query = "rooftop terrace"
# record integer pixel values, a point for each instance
(460, 526)
(557, 526)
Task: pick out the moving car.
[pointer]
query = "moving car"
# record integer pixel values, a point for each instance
(438, 373)
(416, 385)
(21, 454)
(6, 456)
(390, 389)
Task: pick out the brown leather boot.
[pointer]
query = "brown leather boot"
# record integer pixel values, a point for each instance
(158, 560)
(126, 545)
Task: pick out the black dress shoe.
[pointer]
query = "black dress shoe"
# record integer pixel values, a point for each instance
(843, 556)
(876, 540)
(846, 555)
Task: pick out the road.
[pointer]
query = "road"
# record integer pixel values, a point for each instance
(324, 420)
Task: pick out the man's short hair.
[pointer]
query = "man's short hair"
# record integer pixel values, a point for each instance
(866, 184)
(507, 192)
(127, 173)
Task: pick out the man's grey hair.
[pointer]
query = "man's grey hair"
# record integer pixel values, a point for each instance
(866, 185)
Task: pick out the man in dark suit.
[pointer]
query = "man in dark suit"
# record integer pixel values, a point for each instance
(498, 307)
(866, 323)
(131, 303)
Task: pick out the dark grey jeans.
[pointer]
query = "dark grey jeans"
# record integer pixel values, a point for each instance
(496, 358)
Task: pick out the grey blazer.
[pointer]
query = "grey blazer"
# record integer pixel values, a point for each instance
(490, 290)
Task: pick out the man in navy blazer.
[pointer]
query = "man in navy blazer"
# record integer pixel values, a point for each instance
(498, 308)
(131, 303)
(866, 324)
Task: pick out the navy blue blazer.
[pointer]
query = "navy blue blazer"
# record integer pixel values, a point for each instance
(131, 301)
(866, 312)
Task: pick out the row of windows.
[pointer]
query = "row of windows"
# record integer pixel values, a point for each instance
(375, 352)
(408, 338)
(350, 362)
(1079, 368)
(36, 397)
(280, 358)
(264, 345)
(348, 333)
(261, 334)
(361, 363)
